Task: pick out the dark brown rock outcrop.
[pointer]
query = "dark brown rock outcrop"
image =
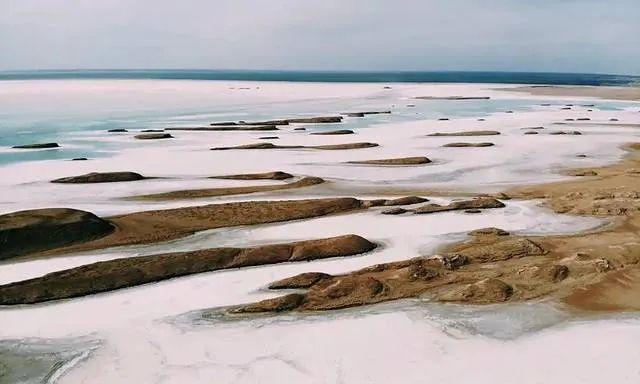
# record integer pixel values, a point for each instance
(36, 230)
(363, 114)
(479, 203)
(489, 231)
(465, 145)
(128, 272)
(316, 120)
(37, 146)
(277, 175)
(492, 267)
(452, 97)
(408, 200)
(394, 211)
(397, 161)
(465, 133)
(323, 147)
(225, 191)
(303, 280)
(482, 292)
(565, 133)
(229, 128)
(100, 177)
(153, 136)
(338, 132)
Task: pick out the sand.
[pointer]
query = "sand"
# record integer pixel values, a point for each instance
(212, 192)
(595, 271)
(164, 225)
(610, 93)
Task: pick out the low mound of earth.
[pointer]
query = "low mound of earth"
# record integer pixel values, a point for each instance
(149, 227)
(418, 160)
(466, 145)
(242, 122)
(100, 177)
(227, 128)
(322, 147)
(213, 192)
(37, 146)
(479, 203)
(128, 272)
(465, 133)
(338, 132)
(582, 172)
(37, 230)
(316, 120)
(277, 175)
(363, 114)
(153, 136)
(309, 120)
(470, 272)
(170, 224)
(594, 271)
(394, 211)
(408, 200)
(452, 97)
(565, 133)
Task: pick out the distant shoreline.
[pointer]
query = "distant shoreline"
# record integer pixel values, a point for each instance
(532, 78)
(628, 93)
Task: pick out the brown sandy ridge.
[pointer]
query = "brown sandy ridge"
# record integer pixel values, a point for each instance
(596, 271)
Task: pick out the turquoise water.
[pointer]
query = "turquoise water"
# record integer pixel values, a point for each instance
(336, 76)
(74, 125)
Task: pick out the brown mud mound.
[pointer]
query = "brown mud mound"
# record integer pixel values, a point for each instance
(394, 211)
(153, 136)
(316, 120)
(100, 177)
(418, 160)
(452, 97)
(36, 230)
(37, 146)
(276, 175)
(213, 192)
(408, 200)
(128, 272)
(323, 147)
(310, 120)
(227, 128)
(468, 145)
(479, 203)
(363, 114)
(450, 276)
(303, 280)
(338, 132)
(170, 224)
(465, 133)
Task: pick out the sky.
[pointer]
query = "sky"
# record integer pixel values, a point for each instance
(590, 36)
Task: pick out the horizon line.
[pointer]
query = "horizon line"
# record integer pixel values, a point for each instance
(354, 71)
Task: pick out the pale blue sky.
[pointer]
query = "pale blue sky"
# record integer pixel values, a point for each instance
(518, 35)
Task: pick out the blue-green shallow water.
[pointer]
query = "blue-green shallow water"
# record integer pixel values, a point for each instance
(334, 76)
(76, 128)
